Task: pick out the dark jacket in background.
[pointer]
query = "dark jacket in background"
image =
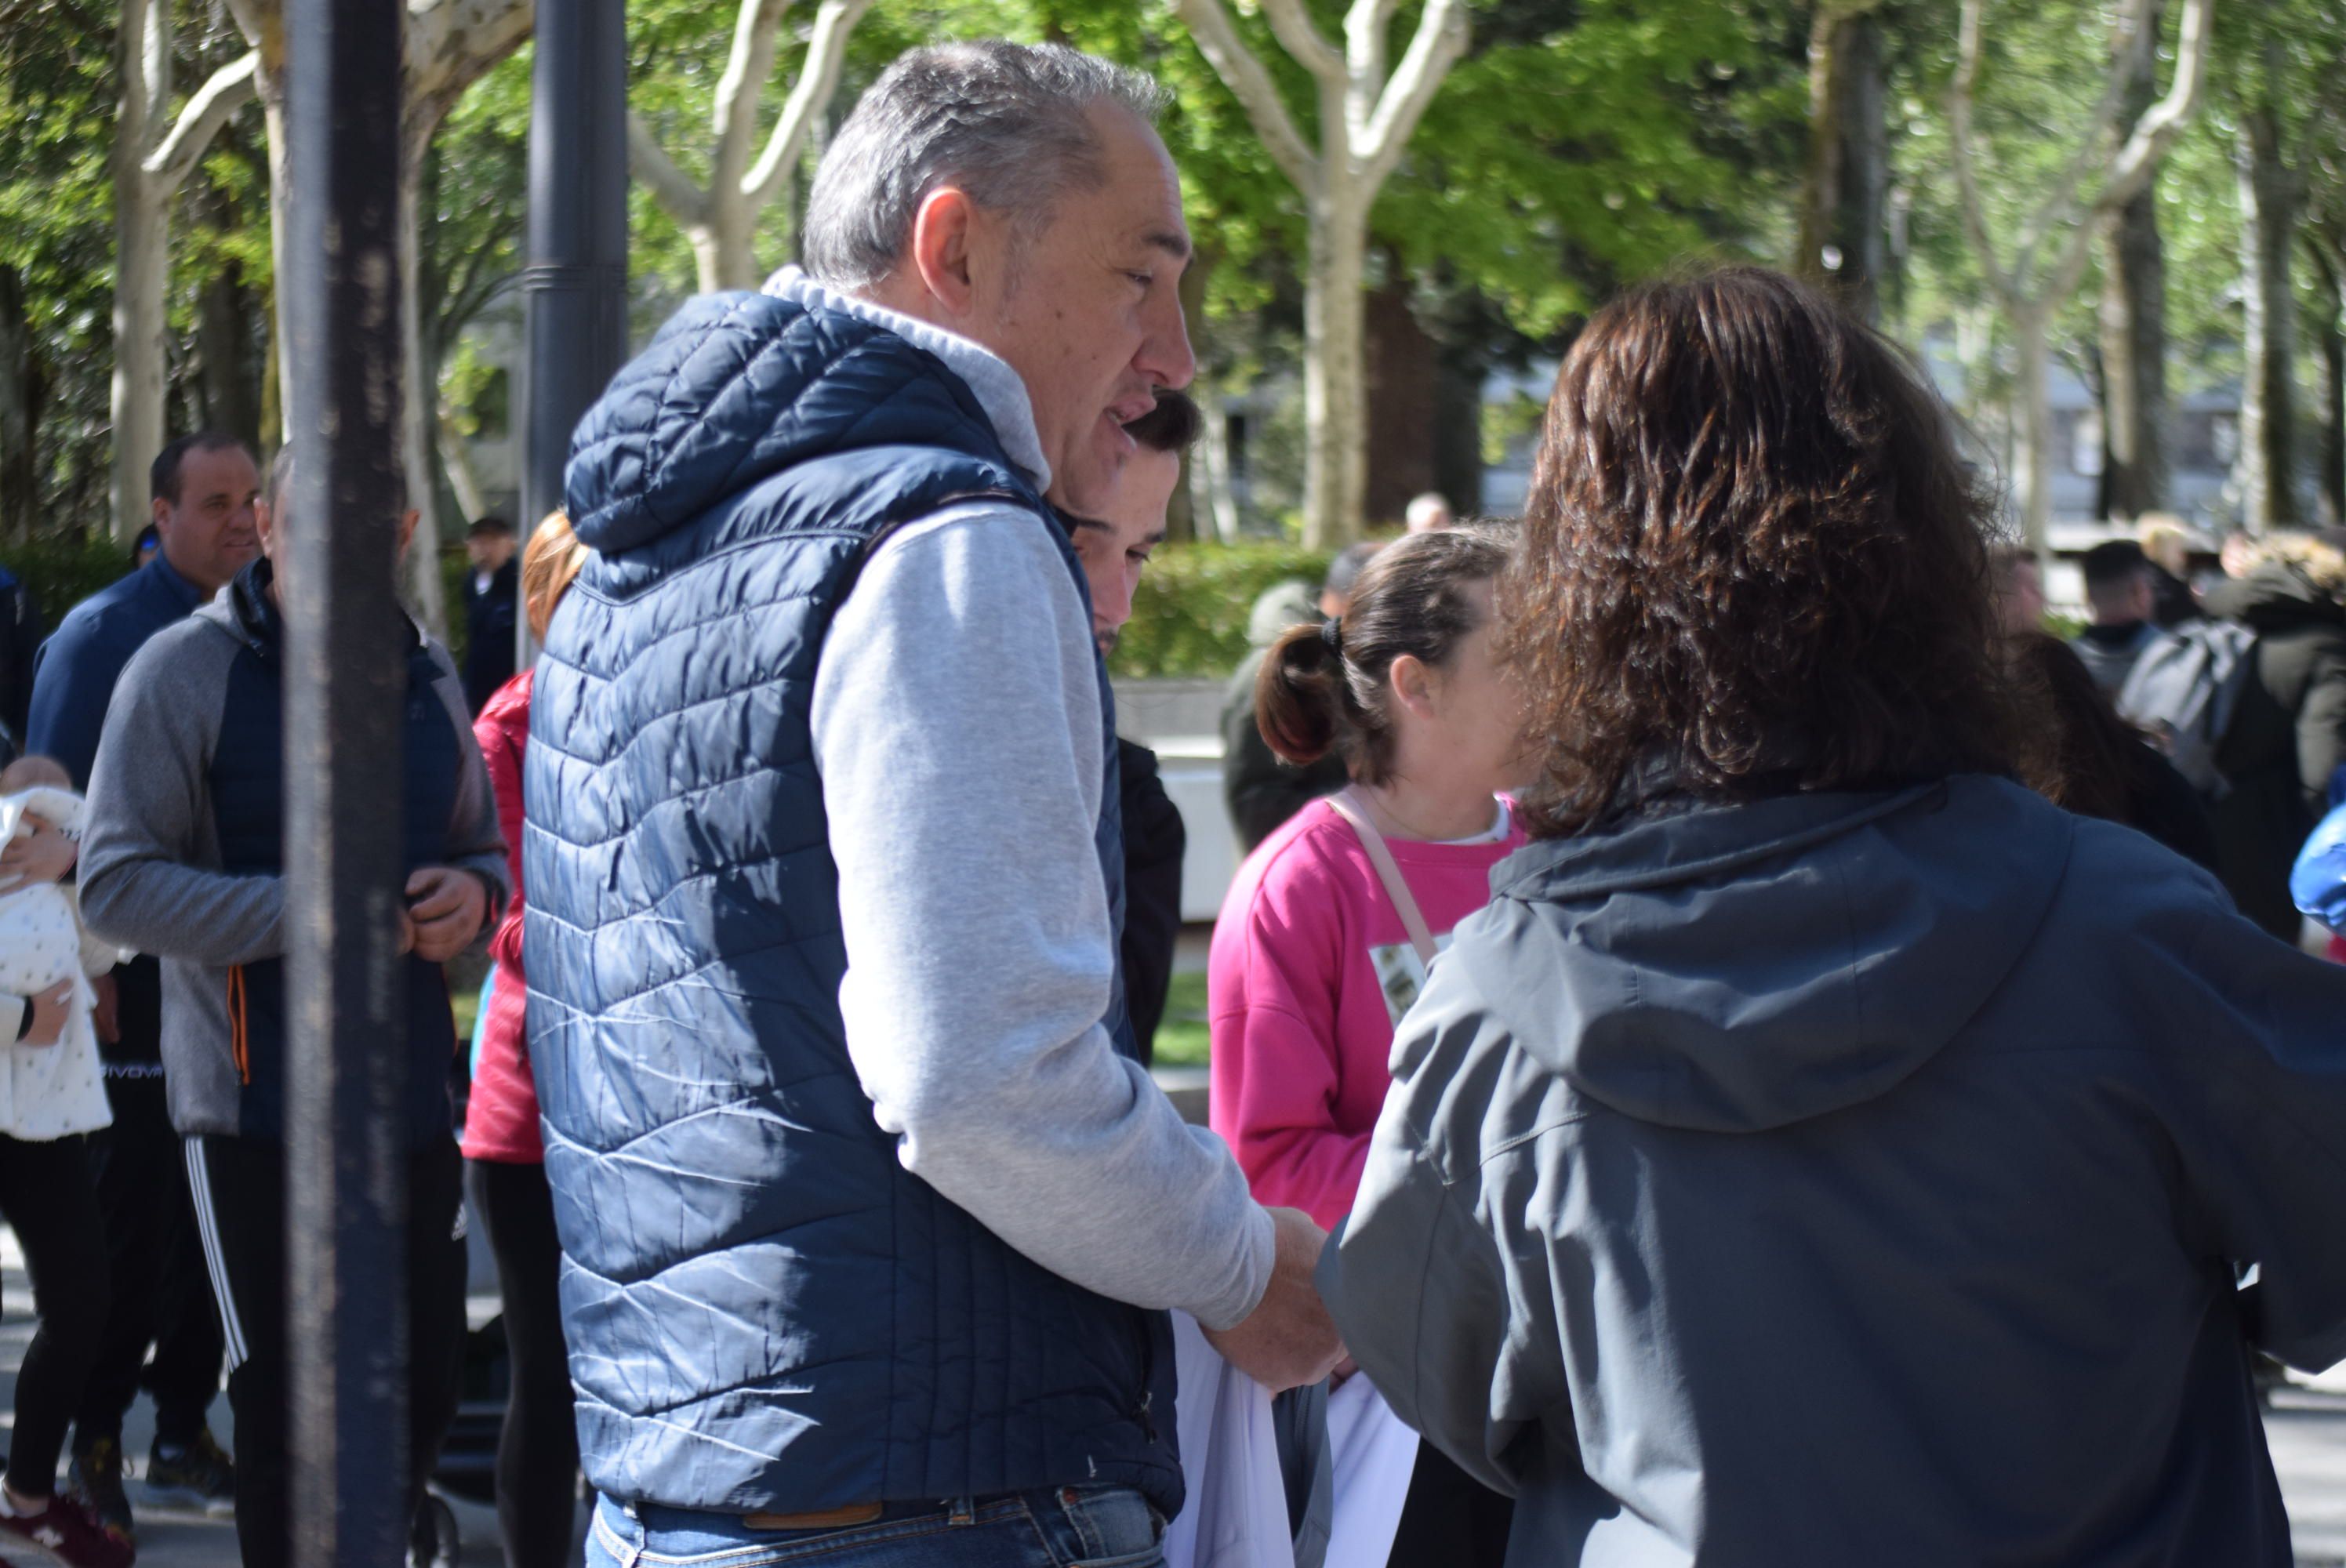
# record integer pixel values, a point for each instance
(1154, 841)
(1855, 1178)
(2171, 600)
(490, 631)
(1261, 792)
(74, 672)
(2287, 738)
(20, 646)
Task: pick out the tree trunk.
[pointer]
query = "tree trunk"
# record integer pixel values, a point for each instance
(1458, 429)
(418, 414)
(232, 392)
(2133, 332)
(22, 389)
(141, 235)
(1846, 183)
(2033, 431)
(722, 252)
(1403, 363)
(1335, 427)
(2269, 203)
(2331, 484)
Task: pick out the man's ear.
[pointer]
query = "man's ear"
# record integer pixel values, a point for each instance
(158, 511)
(942, 232)
(407, 529)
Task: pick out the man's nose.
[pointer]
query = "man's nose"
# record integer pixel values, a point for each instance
(1112, 603)
(1165, 357)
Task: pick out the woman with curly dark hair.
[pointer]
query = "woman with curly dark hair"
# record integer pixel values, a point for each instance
(1824, 1149)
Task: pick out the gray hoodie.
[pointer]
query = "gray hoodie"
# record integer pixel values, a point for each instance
(1857, 1179)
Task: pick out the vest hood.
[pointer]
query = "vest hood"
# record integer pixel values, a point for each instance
(735, 388)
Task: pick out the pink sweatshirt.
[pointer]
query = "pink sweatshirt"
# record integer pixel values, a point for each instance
(1309, 972)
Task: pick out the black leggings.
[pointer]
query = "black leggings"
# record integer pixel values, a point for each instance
(538, 1452)
(49, 1200)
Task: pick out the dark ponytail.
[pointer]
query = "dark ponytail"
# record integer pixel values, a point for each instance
(1298, 695)
(1322, 687)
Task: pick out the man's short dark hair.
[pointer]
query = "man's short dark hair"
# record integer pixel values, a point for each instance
(1346, 568)
(2113, 566)
(490, 527)
(1173, 425)
(163, 474)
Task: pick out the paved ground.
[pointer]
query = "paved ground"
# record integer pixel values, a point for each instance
(2307, 1430)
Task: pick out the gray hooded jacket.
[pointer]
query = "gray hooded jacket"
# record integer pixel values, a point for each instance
(1857, 1179)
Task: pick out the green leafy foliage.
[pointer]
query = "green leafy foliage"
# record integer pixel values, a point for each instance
(1190, 613)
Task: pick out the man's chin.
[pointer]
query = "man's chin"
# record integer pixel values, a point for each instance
(1106, 642)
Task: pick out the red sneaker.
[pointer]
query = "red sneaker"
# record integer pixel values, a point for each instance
(66, 1531)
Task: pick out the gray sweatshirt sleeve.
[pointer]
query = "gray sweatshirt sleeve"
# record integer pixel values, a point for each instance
(956, 727)
(145, 884)
(475, 841)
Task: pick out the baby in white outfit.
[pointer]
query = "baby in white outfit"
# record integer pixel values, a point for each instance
(48, 1091)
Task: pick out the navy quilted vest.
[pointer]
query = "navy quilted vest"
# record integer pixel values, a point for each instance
(764, 1310)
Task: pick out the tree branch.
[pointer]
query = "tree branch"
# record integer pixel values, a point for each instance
(670, 187)
(2133, 47)
(818, 81)
(1959, 94)
(1441, 40)
(2129, 170)
(450, 44)
(1291, 24)
(1251, 85)
(733, 116)
(214, 103)
(1366, 25)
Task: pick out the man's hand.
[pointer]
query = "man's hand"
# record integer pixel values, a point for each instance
(105, 1013)
(1289, 1339)
(52, 1010)
(446, 908)
(38, 854)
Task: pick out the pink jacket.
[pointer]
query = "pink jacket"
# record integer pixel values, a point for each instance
(501, 1123)
(1309, 972)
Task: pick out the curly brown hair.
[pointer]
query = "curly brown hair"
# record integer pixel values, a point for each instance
(1752, 560)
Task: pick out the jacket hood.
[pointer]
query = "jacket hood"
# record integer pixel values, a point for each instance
(738, 387)
(2274, 597)
(1739, 968)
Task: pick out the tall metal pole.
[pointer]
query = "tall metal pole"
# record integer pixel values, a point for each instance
(345, 690)
(574, 283)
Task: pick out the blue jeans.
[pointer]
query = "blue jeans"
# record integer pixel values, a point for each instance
(1068, 1527)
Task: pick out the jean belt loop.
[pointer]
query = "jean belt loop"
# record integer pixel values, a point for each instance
(961, 1511)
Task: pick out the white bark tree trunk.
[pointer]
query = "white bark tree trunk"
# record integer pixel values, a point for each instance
(153, 155)
(720, 218)
(2111, 166)
(2032, 459)
(2268, 215)
(1366, 117)
(1335, 392)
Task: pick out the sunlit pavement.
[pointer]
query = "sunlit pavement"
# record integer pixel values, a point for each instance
(2307, 1424)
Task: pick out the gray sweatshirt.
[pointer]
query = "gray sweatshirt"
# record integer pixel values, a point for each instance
(957, 726)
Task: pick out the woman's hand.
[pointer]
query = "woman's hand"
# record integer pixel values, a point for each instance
(39, 853)
(446, 909)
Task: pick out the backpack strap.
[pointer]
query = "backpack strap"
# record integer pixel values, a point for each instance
(1349, 807)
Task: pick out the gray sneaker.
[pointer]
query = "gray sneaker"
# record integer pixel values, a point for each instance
(201, 1475)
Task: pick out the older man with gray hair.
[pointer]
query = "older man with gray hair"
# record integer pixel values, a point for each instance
(870, 1220)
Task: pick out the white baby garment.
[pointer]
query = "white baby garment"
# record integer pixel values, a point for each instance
(49, 1091)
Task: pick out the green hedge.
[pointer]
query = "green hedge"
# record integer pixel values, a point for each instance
(1190, 613)
(62, 573)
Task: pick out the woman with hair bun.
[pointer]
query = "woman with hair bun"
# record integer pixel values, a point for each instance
(1326, 935)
